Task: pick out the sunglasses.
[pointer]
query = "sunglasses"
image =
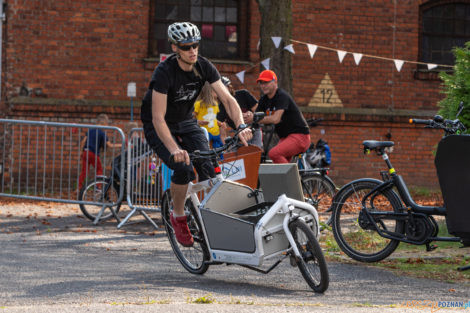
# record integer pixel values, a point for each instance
(187, 48)
(265, 82)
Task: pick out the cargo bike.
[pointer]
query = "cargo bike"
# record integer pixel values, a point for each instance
(231, 223)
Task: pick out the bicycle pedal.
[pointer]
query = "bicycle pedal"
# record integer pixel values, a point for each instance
(430, 247)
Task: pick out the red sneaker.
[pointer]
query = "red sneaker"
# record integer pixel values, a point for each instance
(182, 233)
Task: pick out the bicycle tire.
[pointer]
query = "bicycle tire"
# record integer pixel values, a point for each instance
(93, 192)
(319, 191)
(359, 241)
(194, 259)
(312, 265)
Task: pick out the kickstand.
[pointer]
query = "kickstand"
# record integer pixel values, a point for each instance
(430, 247)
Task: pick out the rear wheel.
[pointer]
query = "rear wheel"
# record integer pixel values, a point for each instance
(353, 231)
(319, 192)
(312, 265)
(99, 191)
(192, 258)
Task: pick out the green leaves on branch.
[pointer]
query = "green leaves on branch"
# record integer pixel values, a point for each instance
(456, 87)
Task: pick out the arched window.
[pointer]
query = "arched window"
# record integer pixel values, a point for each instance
(444, 25)
(222, 23)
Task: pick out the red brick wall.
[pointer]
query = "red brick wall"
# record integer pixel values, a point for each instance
(76, 49)
(90, 50)
(412, 157)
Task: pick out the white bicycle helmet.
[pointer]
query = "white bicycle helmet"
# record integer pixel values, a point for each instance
(225, 80)
(183, 32)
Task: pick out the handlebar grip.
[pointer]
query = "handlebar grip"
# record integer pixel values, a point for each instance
(419, 121)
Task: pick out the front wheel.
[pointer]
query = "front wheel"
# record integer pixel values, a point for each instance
(354, 233)
(319, 191)
(194, 259)
(312, 265)
(100, 191)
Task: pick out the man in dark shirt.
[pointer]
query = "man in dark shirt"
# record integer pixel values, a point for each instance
(167, 110)
(281, 110)
(248, 105)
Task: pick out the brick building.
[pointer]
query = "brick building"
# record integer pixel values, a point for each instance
(67, 61)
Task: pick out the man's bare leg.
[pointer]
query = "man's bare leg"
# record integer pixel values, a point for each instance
(178, 194)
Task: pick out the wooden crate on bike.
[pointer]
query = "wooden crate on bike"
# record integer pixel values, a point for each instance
(242, 165)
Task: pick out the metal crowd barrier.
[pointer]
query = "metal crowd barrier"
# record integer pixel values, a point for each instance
(44, 160)
(144, 179)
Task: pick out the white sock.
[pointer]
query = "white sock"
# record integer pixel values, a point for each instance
(176, 215)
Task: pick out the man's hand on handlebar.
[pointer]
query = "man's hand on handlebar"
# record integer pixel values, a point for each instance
(245, 135)
(180, 155)
(248, 117)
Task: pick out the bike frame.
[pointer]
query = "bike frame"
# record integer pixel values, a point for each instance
(271, 235)
(397, 181)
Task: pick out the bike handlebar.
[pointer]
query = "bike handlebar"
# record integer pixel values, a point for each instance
(313, 122)
(450, 127)
(419, 121)
(229, 143)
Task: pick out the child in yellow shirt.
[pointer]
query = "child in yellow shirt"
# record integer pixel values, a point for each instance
(205, 110)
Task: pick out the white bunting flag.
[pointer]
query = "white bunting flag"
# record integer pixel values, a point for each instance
(241, 76)
(290, 48)
(431, 66)
(399, 64)
(265, 63)
(312, 49)
(357, 57)
(341, 55)
(277, 41)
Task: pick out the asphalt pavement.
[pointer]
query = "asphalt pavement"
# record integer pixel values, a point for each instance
(54, 260)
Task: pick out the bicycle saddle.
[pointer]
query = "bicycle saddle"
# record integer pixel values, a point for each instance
(374, 144)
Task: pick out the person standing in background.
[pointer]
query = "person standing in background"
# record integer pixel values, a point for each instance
(290, 124)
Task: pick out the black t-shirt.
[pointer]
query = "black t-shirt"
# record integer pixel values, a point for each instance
(182, 88)
(292, 120)
(245, 100)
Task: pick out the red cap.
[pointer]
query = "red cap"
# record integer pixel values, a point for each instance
(267, 76)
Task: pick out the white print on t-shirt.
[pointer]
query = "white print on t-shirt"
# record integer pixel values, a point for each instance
(184, 93)
(210, 117)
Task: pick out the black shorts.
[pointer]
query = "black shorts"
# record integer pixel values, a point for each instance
(190, 137)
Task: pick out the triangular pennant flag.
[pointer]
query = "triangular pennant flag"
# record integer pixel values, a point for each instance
(290, 48)
(277, 41)
(399, 64)
(357, 57)
(341, 55)
(265, 63)
(241, 76)
(431, 66)
(312, 49)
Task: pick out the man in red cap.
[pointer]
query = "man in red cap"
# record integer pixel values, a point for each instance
(281, 110)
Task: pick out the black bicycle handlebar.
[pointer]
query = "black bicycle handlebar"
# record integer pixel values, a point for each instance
(450, 127)
(229, 142)
(313, 122)
(419, 121)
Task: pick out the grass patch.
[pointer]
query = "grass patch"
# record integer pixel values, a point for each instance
(412, 260)
(442, 269)
(207, 299)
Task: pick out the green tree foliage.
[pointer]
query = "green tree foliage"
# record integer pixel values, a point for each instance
(456, 87)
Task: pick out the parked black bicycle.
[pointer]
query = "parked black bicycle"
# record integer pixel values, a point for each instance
(370, 218)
